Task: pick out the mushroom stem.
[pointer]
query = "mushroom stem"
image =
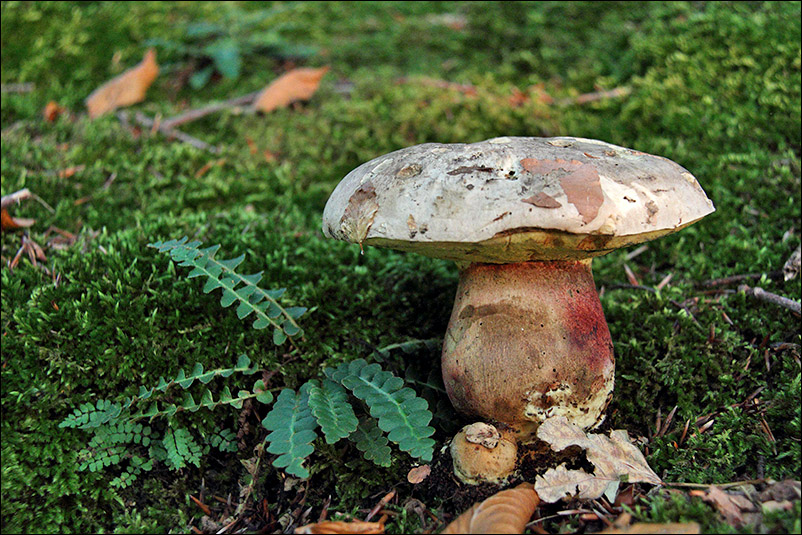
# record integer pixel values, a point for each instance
(527, 341)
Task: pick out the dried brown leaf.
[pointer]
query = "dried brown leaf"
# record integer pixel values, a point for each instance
(731, 506)
(505, 512)
(126, 89)
(338, 526)
(296, 85)
(613, 457)
(644, 527)
(793, 265)
(419, 473)
(10, 223)
(561, 483)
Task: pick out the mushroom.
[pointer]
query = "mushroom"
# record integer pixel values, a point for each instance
(522, 218)
(481, 454)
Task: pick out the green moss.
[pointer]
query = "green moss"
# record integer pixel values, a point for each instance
(715, 87)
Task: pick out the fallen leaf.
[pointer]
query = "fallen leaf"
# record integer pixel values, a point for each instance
(644, 527)
(52, 111)
(11, 223)
(613, 457)
(70, 171)
(337, 526)
(731, 506)
(561, 483)
(787, 489)
(126, 89)
(793, 265)
(296, 85)
(419, 473)
(505, 512)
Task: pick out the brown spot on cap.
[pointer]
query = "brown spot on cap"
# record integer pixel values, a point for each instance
(358, 215)
(409, 171)
(580, 181)
(542, 200)
(470, 169)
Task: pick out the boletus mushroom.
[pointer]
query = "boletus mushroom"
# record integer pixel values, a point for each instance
(522, 218)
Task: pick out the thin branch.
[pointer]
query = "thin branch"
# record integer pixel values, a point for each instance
(147, 122)
(193, 115)
(26, 87)
(595, 96)
(763, 295)
(14, 198)
(773, 275)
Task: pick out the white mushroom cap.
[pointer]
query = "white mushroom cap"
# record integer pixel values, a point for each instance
(513, 199)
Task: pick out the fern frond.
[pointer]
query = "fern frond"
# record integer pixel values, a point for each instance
(109, 445)
(181, 448)
(89, 416)
(369, 439)
(329, 404)
(401, 413)
(292, 427)
(236, 288)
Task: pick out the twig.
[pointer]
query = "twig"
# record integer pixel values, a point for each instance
(14, 198)
(596, 95)
(774, 275)
(147, 122)
(721, 486)
(25, 87)
(193, 115)
(763, 295)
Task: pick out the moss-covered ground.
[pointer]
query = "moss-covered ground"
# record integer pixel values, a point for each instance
(713, 86)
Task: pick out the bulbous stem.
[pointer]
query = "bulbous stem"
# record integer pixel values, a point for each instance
(528, 341)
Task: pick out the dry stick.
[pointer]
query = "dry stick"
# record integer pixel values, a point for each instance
(147, 122)
(14, 198)
(597, 95)
(196, 114)
(775, 275)
(763, 295)
(25, 87)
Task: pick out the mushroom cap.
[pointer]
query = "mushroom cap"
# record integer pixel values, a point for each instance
(513, 199)
(481, 454)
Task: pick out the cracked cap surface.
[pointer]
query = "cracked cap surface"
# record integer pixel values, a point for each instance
(513, 199)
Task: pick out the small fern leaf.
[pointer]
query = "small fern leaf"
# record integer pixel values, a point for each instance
(400, 412)
(263, 394)
(292, 426)
(181, 448)
(369, 439)
(329, 404)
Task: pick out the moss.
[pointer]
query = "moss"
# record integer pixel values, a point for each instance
(715, 87)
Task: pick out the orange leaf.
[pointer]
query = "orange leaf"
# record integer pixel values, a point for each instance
(126, 89)
(298, 84)
(505, 512)
(354, 526)
(10, 223)
(52, 111)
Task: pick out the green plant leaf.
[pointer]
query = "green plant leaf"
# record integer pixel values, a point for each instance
(401, 414)
(329, 403)
(292, 430)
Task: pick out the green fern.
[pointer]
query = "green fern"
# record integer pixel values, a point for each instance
(329, 404)
(400, 412)
(369, 440)
(292, 427)
(181, 448)
(236, 288)
(118, 436)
